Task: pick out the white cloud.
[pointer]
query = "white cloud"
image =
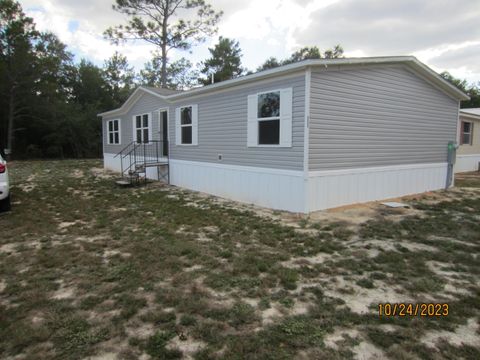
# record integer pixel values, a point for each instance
(444, 34)
(86, 40)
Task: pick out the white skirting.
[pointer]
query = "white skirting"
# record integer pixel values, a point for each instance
(466, 163)
(272, 188)
(292, 191)
(110, 162)
(328, 189)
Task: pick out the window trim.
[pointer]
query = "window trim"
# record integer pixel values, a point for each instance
(149, 127)
(470, 133)
(279, 118)
(185, 125)
(113, 131)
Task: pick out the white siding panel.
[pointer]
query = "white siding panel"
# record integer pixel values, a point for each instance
(282, 190)
(467, 163)
(333, 188)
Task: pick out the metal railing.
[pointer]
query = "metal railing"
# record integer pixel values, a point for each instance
(135, 158)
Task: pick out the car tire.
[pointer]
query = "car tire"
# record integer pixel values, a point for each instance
(5, 204)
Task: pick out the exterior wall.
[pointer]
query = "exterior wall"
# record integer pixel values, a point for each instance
(466, 163)
(468, 156)
(474, 148)
(222, 128)
(377, 116)
(146, 103)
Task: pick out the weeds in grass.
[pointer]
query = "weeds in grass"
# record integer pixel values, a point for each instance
(124, 255)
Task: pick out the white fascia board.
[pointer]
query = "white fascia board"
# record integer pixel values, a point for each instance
(130, 101)
(469, 116)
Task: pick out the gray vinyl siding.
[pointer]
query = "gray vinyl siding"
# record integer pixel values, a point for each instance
(145, 104)
(377, 116)
(222, 128)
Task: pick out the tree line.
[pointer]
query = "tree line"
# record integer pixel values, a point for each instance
(50, 102)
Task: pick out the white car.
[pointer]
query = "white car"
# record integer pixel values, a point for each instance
(4, 186)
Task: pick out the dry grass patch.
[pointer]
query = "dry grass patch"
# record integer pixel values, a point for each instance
(161, 272)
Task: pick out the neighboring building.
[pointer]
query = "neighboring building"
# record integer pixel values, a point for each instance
(302, 137)
(468, 152)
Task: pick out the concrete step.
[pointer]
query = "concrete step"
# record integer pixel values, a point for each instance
(123, 183)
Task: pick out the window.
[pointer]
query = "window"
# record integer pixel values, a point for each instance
(113, 132)
(467, 128)
(268, 114)
(270, 119)
(142, 128)
(186, 124)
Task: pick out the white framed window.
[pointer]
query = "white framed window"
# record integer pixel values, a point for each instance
(186, 125)
(113, 132)
(270, 119)
(467, 131)
(142, 125)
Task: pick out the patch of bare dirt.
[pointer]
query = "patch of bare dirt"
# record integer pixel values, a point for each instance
(140, 330)
(359, 299)
(11, 248)
(91, 239)
(107, 254)
(464, 334)
(101, 173)
(270, 315)
(28, 185)
(193, 268)
(8, 248)
(66, 224)
(339, 334)
(78, 174)
(298, 262)
(368, 351)
(63, 292)
(188, 347)
(104, 356)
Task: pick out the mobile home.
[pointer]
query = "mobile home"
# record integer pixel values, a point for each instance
(302, 137)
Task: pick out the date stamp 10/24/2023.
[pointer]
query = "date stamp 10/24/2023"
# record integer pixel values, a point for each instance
(411, 310)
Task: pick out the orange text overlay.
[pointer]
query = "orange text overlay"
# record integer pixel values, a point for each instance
(406, 309)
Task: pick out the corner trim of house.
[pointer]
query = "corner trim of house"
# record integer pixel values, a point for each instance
(306, 133)
(457, 134)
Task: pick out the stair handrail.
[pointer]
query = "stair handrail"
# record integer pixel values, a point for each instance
(133, 150)
(121, 151)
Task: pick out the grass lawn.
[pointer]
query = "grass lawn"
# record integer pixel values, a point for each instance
(89, 270)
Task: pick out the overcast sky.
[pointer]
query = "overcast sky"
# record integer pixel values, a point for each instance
(445, 34)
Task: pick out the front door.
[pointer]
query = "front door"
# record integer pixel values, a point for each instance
(164, 131)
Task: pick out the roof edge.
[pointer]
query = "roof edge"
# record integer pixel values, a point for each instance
(410, 60)
(125, 105)
(469, 115)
